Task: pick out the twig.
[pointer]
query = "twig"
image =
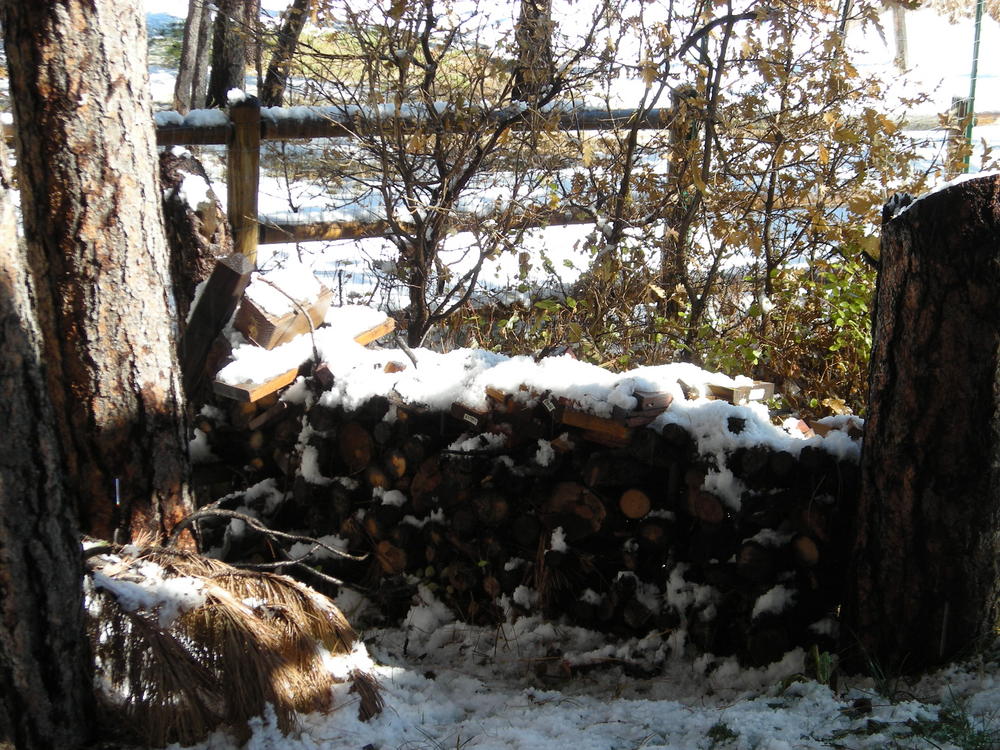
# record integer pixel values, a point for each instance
(301, 309)
(406, 350)
(259, 527)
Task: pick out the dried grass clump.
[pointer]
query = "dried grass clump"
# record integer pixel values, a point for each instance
(175, 668)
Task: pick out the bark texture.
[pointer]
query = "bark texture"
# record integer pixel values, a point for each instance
(229, 50)
(199, 84)
(44, 662)
(189, 57)
(198, 235)
(924, 579)
(99, 259)
(292, 22)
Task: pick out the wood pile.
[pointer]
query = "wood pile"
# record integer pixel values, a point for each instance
(533, 505)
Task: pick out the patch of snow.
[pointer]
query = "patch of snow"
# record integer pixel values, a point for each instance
(558, 541)
(774, 601)
(149, 589)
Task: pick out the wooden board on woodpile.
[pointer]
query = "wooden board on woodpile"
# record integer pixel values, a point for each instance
(375, 332)
(596, 426)
(250, 391)
(743, 394)
(268, 331)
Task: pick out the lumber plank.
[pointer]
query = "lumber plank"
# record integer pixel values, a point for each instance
(213, 309)
(595, 424)
(375, 332)
(250, 391)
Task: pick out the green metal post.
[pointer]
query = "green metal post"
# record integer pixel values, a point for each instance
(971, 109)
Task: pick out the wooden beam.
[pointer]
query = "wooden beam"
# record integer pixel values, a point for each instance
(275, 230)
(277, 124)
(212, 311)
(250, 391)
(243, 175)
(375, 332)
(595, 424)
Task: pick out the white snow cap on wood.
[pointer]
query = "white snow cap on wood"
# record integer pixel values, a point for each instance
(274, 292)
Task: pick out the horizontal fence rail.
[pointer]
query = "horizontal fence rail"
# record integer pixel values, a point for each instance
(246, 125)
(213, 126)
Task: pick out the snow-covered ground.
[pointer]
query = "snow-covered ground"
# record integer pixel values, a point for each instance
(534, 685)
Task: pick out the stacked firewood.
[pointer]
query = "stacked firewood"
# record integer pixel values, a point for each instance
(532, 505)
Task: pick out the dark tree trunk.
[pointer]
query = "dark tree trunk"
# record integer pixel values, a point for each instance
(199, 83)
(535, 72)
(292, 23)
(44, 663)
(99, 260)
(229, 50)
(924, 583)
(198, 235)
(189, 57)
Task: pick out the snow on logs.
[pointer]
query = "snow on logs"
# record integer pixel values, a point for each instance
(510, 487)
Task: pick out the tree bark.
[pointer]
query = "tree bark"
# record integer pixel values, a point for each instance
(229, 49)
(198, 236)
(98, 258)
(292, 23)
(189, 57)
(199, 84)
(44, 663)
(925, 577)
(899, 35)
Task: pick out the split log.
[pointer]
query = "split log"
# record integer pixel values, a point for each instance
(702, 505)
(634, 503)
(356, 447)
(806, 550)
(573, 504)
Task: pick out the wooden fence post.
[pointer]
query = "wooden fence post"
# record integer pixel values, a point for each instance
(243, 174)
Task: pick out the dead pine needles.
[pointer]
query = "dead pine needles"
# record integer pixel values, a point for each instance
(184, 644)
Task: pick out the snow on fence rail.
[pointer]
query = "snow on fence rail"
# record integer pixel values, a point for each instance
(246, 125)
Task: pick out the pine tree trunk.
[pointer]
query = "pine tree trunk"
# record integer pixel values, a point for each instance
(44, 664)
(924, 583)
(228, 52)
(189, 57)
(899, 35)
(292, 23)
(99, 260)
(199, 84)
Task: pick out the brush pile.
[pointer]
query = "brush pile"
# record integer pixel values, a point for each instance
(191, 644)
(626, 503)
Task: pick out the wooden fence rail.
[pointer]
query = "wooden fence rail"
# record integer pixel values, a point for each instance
(246, 125)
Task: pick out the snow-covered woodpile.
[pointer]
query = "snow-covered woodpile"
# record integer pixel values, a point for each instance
(630, 503)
